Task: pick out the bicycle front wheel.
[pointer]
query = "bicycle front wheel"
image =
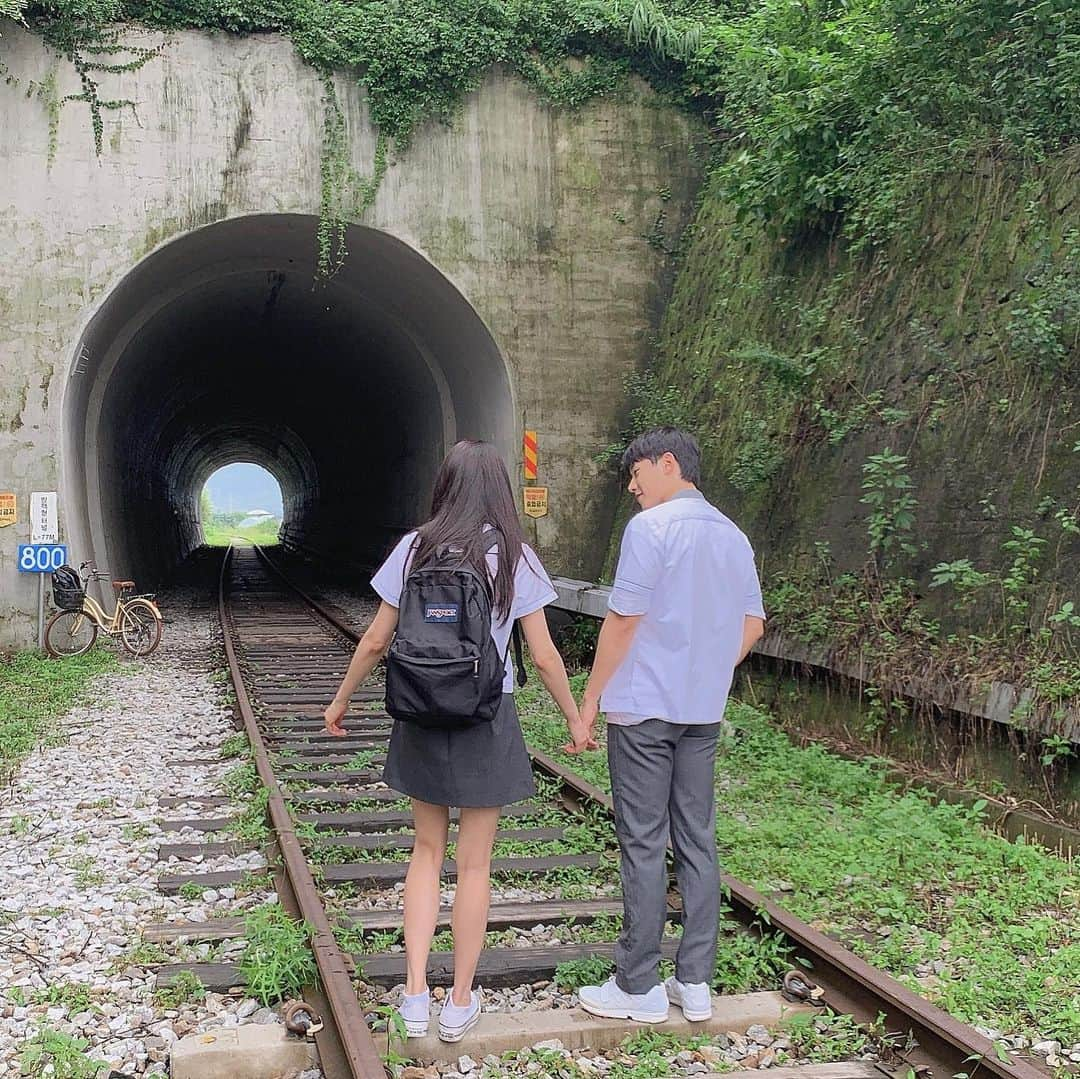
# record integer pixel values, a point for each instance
(140, 627)
(69, 633)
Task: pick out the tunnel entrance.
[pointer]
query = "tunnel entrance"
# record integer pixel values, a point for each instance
(221, 346)
(240, 503)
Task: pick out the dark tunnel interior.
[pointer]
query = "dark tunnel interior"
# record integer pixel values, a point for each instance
(223, 346)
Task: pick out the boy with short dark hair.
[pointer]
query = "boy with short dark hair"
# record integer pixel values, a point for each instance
(684, 612)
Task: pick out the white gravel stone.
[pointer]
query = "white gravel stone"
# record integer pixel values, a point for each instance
(78, 853)
(1047, 1048)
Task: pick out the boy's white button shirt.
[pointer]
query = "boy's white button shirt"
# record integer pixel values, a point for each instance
(689, 572)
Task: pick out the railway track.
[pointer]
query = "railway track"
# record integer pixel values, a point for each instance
(341, 842)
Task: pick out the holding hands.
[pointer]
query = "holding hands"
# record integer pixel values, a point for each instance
(583, 729)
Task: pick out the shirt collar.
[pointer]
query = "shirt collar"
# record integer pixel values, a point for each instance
(689, 492)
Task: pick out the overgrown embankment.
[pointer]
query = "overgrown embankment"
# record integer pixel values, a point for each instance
(898, 431)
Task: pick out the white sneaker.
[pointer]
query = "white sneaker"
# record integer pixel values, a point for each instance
(455, 1022)
(610, 1002)
(694, 999)
(416, 1011)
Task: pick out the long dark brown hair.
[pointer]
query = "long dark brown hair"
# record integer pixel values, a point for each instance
(472, 490)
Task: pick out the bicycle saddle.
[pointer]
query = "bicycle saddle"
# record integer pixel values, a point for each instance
(120, 585)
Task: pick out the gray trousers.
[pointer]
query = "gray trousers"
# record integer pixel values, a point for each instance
(662, 785)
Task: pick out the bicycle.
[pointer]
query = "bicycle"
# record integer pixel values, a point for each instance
(135, 619)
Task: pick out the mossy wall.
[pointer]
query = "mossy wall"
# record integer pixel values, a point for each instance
(795, 361)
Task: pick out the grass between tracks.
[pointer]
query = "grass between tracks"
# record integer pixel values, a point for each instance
(986, 928)
(33, 690)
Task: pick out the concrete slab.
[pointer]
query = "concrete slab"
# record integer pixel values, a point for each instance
(254, 1051)
(499, 1032)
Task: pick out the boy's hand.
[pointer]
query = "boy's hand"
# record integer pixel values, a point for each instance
(582, 730)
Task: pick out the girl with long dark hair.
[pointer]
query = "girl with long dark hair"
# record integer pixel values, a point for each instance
(477, 768)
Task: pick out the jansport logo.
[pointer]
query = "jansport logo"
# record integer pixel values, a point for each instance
(448, 612)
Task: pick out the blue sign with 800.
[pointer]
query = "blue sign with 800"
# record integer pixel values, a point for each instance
(41, 557)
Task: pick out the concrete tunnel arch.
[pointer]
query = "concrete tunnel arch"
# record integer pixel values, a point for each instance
(222, 345)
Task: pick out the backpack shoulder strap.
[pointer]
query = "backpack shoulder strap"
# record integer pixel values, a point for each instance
(519, 659)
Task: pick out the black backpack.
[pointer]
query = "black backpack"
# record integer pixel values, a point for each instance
(443, 669)
(67, 589)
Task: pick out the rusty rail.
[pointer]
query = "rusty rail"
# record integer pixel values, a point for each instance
(346, 1046)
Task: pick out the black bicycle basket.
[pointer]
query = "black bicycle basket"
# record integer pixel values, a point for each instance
(67, 589)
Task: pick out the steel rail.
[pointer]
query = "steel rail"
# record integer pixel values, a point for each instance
(944, 1045)
(350, 1041)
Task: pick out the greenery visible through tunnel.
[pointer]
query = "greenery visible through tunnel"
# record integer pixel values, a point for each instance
(240, 503)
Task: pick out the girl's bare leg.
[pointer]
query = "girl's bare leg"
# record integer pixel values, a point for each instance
(476, 835)
(422, 890)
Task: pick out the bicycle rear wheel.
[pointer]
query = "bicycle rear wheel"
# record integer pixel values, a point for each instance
(69, 633)
(140, 627)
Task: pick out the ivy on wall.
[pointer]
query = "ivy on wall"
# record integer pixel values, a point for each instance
(828, 114)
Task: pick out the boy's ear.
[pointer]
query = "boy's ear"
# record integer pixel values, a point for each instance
(671, 464)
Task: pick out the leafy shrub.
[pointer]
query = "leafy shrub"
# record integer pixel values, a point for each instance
(277, 961)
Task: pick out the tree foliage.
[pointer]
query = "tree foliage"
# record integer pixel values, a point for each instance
(11, 9)
(852, 107)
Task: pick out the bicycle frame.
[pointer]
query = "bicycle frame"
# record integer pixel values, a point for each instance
(109, 624)
(105, 622)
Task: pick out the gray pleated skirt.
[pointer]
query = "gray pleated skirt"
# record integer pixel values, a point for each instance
(485, 765)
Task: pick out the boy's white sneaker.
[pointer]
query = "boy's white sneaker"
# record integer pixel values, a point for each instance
(454, 1021)
(694, 999)
(610, 1002)
(415, 1011)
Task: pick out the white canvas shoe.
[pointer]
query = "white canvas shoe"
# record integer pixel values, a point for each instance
(694, 999)
(610, 1002)
(455, 1022)
(415, 1011)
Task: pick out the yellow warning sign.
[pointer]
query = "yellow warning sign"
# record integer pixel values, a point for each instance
(8, 515)
(536, 501)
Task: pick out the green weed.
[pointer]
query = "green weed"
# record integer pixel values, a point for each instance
(52, 1053)
(236, 745)
(825, 1037)
(87, 875)
(241, 780)
(184, 988)
(252, 824)
(277, 961)
(74, 996)
(592, 970)
(19, 826)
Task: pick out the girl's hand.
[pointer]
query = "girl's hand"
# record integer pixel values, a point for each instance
(332, 718)
(581, 736)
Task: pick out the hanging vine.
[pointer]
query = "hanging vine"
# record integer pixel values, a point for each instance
(346, 196)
